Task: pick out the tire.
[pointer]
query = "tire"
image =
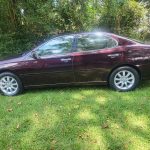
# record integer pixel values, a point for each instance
(124, 79)
(10, 84)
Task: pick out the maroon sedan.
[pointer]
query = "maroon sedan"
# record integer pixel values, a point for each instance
(93, 58)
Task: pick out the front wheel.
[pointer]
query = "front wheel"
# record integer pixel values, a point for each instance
(124, 79)
(10, 84)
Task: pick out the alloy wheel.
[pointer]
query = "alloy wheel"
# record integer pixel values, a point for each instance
(124, 80)
(8, 85)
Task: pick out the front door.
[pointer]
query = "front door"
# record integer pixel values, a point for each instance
(57, 62)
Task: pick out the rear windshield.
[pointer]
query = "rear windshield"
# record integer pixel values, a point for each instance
(138, 41)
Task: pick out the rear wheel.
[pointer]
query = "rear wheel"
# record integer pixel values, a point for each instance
(10, 84)
(124, 79)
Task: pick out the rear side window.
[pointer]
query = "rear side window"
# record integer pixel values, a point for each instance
(88, 42)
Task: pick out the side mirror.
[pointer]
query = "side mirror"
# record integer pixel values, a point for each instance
(34, 55)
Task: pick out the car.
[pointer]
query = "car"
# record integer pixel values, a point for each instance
(81, 58)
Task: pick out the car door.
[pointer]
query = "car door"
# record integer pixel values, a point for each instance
(55, 63)
(95, 55)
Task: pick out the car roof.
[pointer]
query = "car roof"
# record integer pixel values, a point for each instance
(79, 33)
(115, 36)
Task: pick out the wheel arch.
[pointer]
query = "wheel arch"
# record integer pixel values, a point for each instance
(125, 65)
(10, 71)
(7, 70)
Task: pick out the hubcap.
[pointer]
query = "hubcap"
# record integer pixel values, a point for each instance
(124, 80)
(8, 85)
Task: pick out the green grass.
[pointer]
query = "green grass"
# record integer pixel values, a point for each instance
(76, 118)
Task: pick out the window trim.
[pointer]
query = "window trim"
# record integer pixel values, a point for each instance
(77, 37)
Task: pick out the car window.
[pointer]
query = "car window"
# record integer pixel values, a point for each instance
(60, 45)
(94, 42)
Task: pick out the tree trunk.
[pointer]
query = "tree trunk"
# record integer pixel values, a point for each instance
(12, 9)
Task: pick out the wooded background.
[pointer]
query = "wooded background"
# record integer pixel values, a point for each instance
(23, 23)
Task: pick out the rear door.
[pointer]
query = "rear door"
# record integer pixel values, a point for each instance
(95, 55)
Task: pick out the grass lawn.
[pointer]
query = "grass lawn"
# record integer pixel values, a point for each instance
(76, 118)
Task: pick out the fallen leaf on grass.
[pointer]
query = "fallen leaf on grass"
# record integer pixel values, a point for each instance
(117, 126)
(10, 110)
(76, 107)
(126, 146)
(95, 141)
(19, 103)
(36, 114)
(81, 137)
(18, 126)
(105, 126)
(53, 142)
(84, 136)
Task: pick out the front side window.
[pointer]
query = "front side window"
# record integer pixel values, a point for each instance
(60, 45)
(90, 42)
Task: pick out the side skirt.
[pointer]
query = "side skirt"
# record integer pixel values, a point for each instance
(65, 84)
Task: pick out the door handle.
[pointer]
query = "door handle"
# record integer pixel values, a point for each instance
(114, 55)
(66, 59)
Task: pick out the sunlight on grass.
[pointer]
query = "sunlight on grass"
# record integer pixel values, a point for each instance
(93, 139)
(134, 121)
(48, 118)
(115, 125)
(86, 115)
(78, 96)
(76, 118)
(43, 122)
(139, 143)
(126, 138)
(101, 100)
(87, 92)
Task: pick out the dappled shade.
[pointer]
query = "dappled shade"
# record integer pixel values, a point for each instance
(86, 118)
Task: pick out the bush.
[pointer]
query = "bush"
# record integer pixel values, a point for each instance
(16, 43)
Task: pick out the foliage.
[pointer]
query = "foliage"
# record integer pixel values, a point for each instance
(123, 17)
(23, 23)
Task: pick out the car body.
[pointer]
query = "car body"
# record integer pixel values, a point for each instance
(82, 58)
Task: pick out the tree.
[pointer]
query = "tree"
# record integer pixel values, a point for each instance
(24, 22)
(122, 16)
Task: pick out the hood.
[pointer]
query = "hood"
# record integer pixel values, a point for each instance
(11, 59)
